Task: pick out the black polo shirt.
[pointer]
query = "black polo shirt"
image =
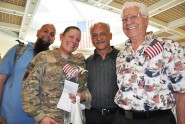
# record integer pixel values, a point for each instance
(102, 79)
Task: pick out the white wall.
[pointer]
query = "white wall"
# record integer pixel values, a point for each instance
(6, 42)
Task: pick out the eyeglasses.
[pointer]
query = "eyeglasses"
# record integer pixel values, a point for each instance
(132, 18)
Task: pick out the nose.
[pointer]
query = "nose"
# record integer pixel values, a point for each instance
(75, 40)
(99, 37)
(129, 21)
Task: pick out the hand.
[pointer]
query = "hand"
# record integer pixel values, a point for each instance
(48, 120)
(2, 121)
(81, 95)
(80, 56)
(73, 97)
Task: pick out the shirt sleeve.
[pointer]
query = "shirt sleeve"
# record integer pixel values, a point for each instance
(31, 87)
(83, 85)
(177, 68)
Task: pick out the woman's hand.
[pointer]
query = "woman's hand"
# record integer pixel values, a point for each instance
(73, 97)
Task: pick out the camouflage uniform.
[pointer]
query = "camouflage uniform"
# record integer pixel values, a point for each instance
(43, 84)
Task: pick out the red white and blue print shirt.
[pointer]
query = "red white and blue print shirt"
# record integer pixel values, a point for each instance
(147, 81)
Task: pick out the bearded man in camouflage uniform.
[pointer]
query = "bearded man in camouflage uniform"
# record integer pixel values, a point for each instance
(44, 79)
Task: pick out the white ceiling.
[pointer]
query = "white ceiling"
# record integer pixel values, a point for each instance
(63, 13)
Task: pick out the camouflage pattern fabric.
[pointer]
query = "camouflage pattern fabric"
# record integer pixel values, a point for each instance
(43, 84)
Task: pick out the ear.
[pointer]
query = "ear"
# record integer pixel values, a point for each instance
(147, 20)
(53, 40)
(110, 36)
(38, 31)
(61, 36)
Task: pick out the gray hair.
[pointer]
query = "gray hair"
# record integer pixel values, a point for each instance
(97, 23)
(142, 8)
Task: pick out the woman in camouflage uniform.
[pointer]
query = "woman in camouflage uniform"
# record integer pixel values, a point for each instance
(43, 81)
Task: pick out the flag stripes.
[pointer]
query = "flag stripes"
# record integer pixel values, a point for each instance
(85, 34)
(69, 70)
(153, 50)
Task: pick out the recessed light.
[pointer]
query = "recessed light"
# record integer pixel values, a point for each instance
(29, 15)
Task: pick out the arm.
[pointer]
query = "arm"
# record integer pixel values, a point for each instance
(31, 89)
(176, 69)
(180, 108)
(83, 91)
(2, 121)
(86, 96)
(3, 78)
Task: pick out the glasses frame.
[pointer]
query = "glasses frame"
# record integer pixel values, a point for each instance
(131, 17)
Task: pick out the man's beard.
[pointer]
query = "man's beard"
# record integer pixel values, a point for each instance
(41, 45)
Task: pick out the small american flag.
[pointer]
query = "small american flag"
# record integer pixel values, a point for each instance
(69, 70)
(153, 49)
(85, 36)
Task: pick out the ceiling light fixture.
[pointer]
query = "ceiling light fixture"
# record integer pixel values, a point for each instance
(29, 15)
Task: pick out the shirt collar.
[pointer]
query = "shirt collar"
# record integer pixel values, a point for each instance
(30, 45)
(112, 54)
(148, 39)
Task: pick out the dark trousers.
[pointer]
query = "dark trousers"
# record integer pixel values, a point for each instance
(94, 117)
(161, 119)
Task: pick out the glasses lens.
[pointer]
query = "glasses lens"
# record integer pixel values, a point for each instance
(131, 17)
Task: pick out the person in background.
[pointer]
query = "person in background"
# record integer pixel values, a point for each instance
(11, 74)
(150, 73)
(44, 78)
(101, 67)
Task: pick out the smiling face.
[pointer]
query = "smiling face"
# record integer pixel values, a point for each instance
(100, 37)
(134, 24)
(47, 33)
(70, 41)
(45, 37)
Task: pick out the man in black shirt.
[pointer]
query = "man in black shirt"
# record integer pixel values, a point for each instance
(102, 77)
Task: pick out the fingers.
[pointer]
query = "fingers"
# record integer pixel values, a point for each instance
(80, 56)
(48, 120)
(72, 97)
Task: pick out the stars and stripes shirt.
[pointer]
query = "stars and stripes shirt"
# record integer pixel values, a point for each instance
(148, 77)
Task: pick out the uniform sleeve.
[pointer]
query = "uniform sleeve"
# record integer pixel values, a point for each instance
(6, 64)
(88, 98)
(31, 87)
(83, 85)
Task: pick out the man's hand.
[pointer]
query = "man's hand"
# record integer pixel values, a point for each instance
(48, 120)
(80, 56)
(2, 121)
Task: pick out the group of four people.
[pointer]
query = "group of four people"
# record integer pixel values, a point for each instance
(140, 84)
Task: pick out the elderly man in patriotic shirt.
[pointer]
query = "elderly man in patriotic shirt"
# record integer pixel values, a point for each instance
(150, 73)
